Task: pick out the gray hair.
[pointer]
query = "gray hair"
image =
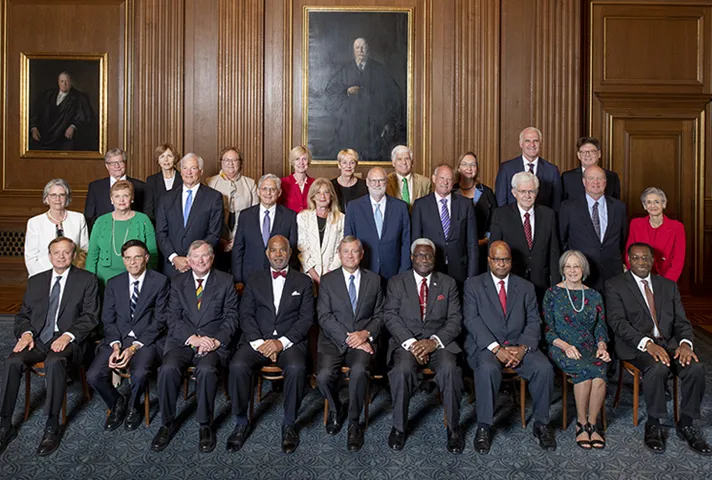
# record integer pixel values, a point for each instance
(199, 243)
(192, 155)
(520, 177)
(115, 152)
(59, 182)
(421, 241)
(400, 149)
(521, 134)
(270, 176)
(652, 191)
(350, 239)
(585, 267)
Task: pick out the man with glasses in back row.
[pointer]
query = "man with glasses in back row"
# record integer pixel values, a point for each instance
(588, 151)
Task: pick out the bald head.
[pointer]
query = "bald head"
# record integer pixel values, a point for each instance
(278, 252)
(500, 259)
(594, 181)
(376, 182)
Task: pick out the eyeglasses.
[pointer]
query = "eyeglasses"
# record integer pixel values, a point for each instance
(190, 169)
(653, 202)
(268, 189)
(526, 192)
(587, 153)
(377, 181)
(639, 258)
(135, 258)
(424, 256)
(468, 165)
(505, 260)
(230, 161)
(55, 196)
(120, 163)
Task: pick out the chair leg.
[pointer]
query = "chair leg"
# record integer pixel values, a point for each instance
(259, 388)
(28, 381)
(675, 404)
(636, 399)
(64, 408)
(617, 399)
(147, 404)
(185, 387)
(252, 400)
(522, 401)
(564, 400)
(85, 385)
(326, 410)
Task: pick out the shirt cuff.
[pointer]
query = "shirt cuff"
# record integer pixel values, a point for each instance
(286, 343)
(492, 346)
(32, 334)
(684, 340)
(136, 342)
(406, 345)
(437, 339)
(643, 343)
(172, 256)
(255, 344)
(72, 337)
(114, 343)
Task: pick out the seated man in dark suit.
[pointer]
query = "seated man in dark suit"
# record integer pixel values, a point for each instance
(653, 333)
(530, 231)
(256, 225)
(449, 222)
(503, 330)
(350, 313)
(184, 215)
(133, 315)
(202, 319)
(588, 150)
(423, 315)
(98, 198)
(276, 313)
(50, 334)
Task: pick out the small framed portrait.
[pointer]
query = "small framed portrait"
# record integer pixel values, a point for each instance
(358, 82)
(63, 105)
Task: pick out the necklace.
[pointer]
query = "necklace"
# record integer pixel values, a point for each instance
(113, 241)
(54, 220)
(583, 295)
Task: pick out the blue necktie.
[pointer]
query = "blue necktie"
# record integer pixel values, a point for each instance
(48, 329)
(265, 228)
(188, 204)
(445, 217)
(134, 298)
(379, 219)
(352, 293)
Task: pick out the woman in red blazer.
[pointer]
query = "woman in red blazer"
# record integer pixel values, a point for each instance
(295, 187)
(666, 236)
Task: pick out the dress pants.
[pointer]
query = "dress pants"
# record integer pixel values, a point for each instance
(327, 379)
(403, 378)
(99, 374)
(655, 377)
(535, 368)
(293, 363)
(170, 378)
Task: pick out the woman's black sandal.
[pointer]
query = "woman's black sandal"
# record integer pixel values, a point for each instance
(585, 444)
(591, 429)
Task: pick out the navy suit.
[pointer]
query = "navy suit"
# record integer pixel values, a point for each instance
(572, 182)
(458, 254)
(549, 183)
(147, 324)
(205, 222)
(390, 254)
(98, 200)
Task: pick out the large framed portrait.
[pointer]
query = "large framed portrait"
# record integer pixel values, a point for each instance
(358, 81)
(63, 105)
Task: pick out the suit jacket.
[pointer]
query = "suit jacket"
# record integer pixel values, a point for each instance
(248, 251)
(337, 318)
(483, 208)
(668, 242)
(540, 265)
(156, 188)
(443, 316)
(313, 253)
(205, 222)
(458, 254)
(576, 231)
(389, 254)
(486, 323)
(549, 183)
(260, 321)
(149, 319)
(421, 187)
(99, 199)
(631, 321)
(78, 311)
(572, 182)
(217, 317)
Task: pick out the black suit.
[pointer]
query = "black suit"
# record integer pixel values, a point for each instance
(147, 323)
(156, 188)
(336, 319)
(78, 314)
(99, 199)
(204, 223)
(248, 252)
(549, 182)
(540, 264)
(572, 182)
(217, 318)
(486, 323)
(631, 321)
(260, 321)
(443, 319)
(576, 230)
(458, 254)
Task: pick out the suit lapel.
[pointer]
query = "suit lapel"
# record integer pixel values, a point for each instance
(516, 219)
(178, 204)
(46, 292)
(193, 208)
(611, 216)
(286, 291)
(386, 217)
(539, 225)
(276, 223)
(191, 299)
(208, 293)
(658, 296)
(362, 288)
(587, 217)
(68, 290)
(412, 290)
(491, 290)
(433, 292)
(632, 284)
(512, 293)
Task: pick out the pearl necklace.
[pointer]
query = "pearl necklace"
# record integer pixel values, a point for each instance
(583, 295)
(54, 220)
(113, 240)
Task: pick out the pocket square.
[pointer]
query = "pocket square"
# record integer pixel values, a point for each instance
(441, 297)
(295, 293)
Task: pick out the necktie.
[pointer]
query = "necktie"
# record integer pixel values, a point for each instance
(379, 219)
(596, 220)
(651, 305)
(531, 168)
(445, 217)
(528, 230)
(352, 293)
(281, 273)
(406, 191)
(48, 329)
(134, 298)
(199, 292)
(423, 297)
(265, 228)
(188, 204)
(360, 66)
(503, 297)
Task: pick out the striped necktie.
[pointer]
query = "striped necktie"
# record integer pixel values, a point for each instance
(445, 217)
(134, 298)
(199, 292)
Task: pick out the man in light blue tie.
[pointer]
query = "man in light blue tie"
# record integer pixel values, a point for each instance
(350, 314)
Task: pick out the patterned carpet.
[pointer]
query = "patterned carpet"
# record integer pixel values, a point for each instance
(87, 452)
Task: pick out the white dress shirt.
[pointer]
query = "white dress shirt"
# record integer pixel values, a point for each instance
(602, 212)
(418, 280)
(496, 281)
(277, 289)
(448, 204)
(527, 162)
(168, 182)
(184, 197)
(61, 96)
(113, 180)
(272, 210)
(62, 284)
(132, 279)
(531, 218)
(357, 280)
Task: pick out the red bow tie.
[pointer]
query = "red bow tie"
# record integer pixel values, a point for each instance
(281, 273)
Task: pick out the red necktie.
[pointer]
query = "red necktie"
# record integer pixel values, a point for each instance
(281, 273)
(528, 230)
(503, 297)
(423, 297)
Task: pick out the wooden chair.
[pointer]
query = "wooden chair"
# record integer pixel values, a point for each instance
(630, 368)
(429, 375)
(269, 372)
(565, 380)
(38, 369)
(146, 395)
(345, 371)
(509, 375)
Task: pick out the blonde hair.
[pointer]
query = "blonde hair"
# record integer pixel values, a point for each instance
(334, 210)
(347, 152)
(297, 152)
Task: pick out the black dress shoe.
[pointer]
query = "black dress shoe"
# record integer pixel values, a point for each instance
(547, 441)
(333, 422)
(290, 438)
(207, 439)
(694, 439)
(237, 438)
(455, 440)
(396, 439)
(354, 440)
(654, 438)
(7, 434)
(49, 442)
(162, 438)
(116, 417)
(133, 419)
(483, 439)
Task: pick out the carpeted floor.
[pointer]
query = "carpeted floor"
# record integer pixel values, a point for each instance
(87, 452)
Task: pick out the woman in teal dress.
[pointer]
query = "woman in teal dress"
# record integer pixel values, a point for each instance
(577, 334)
(113, 229)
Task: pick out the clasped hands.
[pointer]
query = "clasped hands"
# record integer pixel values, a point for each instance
(359, 340)
(683, 353)
(181, 264)
(270, 349)
(27, 341)
(203, 345)
(511, 356)
(421, 349)
(120, 358)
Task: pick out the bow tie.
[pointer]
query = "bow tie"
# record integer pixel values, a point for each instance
(281, 273)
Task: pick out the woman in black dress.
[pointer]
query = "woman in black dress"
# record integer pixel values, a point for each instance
(348, 187)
